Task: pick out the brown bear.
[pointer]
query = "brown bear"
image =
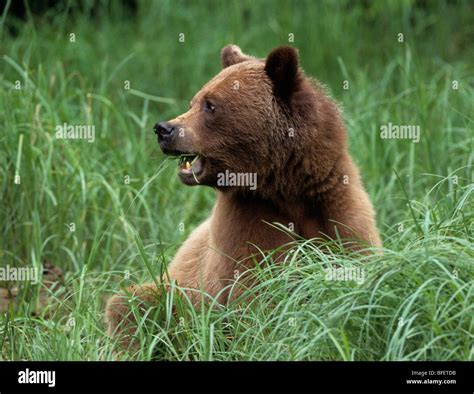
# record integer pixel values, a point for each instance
(273, 145)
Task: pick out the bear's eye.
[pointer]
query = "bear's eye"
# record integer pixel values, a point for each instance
(208, 106)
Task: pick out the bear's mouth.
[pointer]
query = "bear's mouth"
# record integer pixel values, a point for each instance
(191, 166)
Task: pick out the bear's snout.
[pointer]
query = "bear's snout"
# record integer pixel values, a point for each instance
(164, 130)
(166, 133)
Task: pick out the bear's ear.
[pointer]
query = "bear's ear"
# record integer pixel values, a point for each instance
(231, 54)
(282, 68)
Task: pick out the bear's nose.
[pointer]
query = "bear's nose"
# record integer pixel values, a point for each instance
(163, 129)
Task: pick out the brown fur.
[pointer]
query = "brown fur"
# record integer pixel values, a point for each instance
(308, 179)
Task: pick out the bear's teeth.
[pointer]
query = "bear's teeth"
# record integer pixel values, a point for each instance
(188, 166)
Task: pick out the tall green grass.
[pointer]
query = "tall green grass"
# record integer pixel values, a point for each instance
(128, 206)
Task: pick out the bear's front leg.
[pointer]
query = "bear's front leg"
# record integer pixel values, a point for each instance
(122, 311)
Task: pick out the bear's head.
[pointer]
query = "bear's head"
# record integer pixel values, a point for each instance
(259, 119)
